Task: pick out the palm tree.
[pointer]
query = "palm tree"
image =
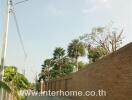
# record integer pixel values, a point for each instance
(45, 73)
(58, 56)
(58, 53)
(76, 49)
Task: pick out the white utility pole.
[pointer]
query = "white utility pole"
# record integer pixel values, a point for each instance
(9, 8)
(5, 38)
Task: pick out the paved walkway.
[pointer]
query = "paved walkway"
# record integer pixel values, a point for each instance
(46, 98)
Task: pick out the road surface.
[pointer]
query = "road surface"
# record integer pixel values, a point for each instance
(46, 98)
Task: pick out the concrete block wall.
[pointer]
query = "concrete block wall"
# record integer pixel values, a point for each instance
(112, 73)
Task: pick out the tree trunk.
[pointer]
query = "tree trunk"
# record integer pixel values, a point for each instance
(76, 64)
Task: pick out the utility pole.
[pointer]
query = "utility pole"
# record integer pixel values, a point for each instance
(4, 45)
(9, 8)
(5, 36)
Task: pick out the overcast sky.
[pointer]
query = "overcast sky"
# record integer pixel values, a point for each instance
(46, 24)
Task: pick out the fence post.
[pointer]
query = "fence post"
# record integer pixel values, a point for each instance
(41, 85)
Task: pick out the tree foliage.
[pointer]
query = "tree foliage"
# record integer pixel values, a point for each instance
(58, 53)
(107, 38)
(11, 76)
(95, 53)
(15, 80)
(5, 86)
(76, 49)
(102, 41)
(58, 66)
(99, 43)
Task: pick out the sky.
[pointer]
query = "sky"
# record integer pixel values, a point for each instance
(46, 24)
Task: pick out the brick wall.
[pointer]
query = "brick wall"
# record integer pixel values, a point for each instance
(113, 74)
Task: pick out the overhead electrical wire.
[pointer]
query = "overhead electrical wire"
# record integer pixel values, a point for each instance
(18, 31)
(20, 2)
(19, 34)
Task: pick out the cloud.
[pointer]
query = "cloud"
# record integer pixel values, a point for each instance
(90, 10)
(105, 3)
(54, 10)
(94, 5)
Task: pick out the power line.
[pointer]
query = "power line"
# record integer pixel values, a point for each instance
(20, 2)
(21, 40)
(18, 31)
(19, 34)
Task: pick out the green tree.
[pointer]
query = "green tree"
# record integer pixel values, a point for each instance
(95, 53)
(67, 66)
(76, 49)
(5, 87)
(20, 82)
(58, 57)
(53, 70)
(109, 38)
(81, 65)
(15, 80)
(58, 53)
(9, 73)
(46, 67)
(102, 41)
